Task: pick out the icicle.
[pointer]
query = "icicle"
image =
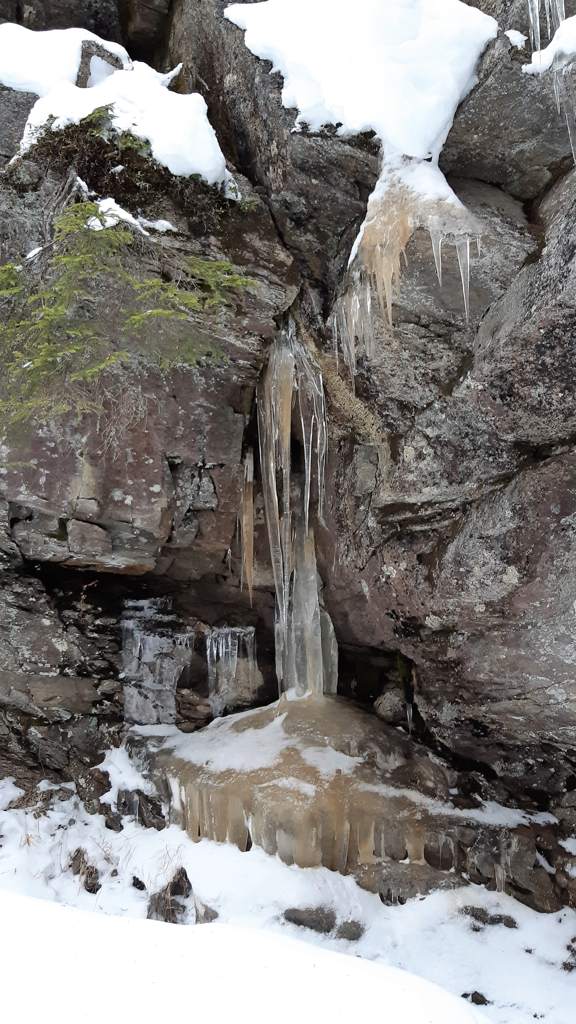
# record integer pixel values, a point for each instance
(329, 653)
(534, 16)
(437, 238)
(312, 406)
(463, 253)
(555, 14)
(247, 523)
(274, 432)
(563, 77)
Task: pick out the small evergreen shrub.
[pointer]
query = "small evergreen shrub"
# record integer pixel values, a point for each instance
(68, 330)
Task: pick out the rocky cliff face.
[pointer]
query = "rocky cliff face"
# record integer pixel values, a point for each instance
(448, 549)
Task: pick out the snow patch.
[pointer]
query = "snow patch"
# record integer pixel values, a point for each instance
(138, 99)
(518, 39)
(331, 986)
(39, 61)
(398, 68)
(9, 792)
(175, 125)
(122, 774)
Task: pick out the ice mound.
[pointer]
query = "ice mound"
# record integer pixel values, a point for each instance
(321, 782)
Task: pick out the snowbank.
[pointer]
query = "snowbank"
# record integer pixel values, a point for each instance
(39, 61)
(265, 975)
(398, 68)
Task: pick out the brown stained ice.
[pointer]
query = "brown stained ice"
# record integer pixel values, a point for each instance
(315, 782)
(317, 796)
(395, 211)
(292, 373)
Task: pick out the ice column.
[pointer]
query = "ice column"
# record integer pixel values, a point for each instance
(564, 79)
(292, 376)
(226, 648)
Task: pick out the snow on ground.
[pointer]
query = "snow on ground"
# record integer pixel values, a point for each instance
(519, 969)
(518, 39)
(155, 972)
(139, 100)
(398, 67)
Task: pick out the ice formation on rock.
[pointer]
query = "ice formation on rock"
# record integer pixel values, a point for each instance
(225, 645)
(399, 70)
(291, 373)
(409, 195)
(156, 652)
(326, 783)
(558, 58)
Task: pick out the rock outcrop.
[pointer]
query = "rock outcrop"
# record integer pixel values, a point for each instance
(448, 545)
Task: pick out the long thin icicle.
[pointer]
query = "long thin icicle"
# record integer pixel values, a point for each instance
(306, 675)
(247, 523)
(275, 395)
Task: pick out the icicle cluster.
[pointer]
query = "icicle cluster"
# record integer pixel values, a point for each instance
(396, 209)
(155, 653)
(224, 645)
(555, 13)
(292, 374)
